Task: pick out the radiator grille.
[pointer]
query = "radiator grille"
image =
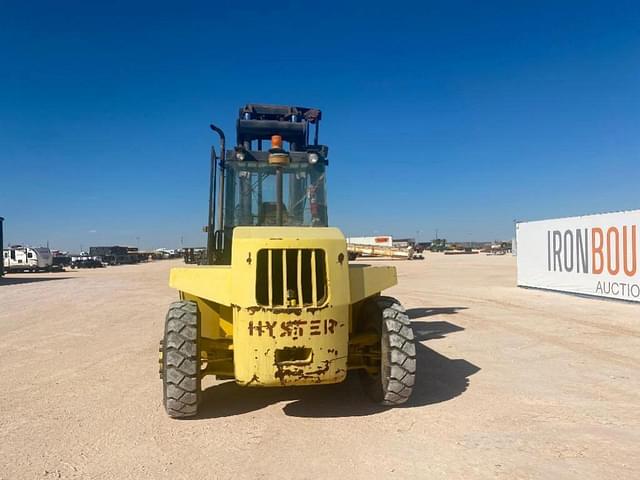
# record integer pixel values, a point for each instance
(291, 277)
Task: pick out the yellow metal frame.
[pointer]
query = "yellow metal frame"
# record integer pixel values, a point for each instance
(288, 345)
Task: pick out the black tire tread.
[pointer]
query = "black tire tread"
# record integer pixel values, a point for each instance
(402, 351)
(181, 379)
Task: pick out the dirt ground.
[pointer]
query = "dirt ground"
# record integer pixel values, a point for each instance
(512, 383)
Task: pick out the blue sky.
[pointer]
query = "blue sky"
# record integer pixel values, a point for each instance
(456, 116)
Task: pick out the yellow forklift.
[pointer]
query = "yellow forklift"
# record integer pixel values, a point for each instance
(277, 303)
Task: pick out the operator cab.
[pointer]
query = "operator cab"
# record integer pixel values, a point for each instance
(273, 177)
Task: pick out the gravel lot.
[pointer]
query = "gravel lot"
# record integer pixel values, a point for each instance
(512, 383)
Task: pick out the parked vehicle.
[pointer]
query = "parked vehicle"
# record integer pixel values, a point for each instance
(117, 255)
(277, 303)
(60, 262)
(86, 262)
(1, 244)
(17, 258)
(195, 255)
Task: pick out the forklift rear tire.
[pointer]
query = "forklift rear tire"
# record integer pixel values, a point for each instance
(181, 360)
(393, 383)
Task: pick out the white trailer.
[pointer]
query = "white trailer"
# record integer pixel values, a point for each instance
(378, 241)
(19, 259)
(355, 250)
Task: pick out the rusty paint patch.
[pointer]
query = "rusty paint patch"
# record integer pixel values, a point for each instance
(293, 373)
(298, 373)
(283, 310)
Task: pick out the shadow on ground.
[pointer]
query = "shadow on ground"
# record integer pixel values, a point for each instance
(422, 312)
(439, 379)
(20, 280)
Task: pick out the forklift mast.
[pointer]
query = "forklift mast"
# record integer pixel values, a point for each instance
(261, 122)
(262, 183)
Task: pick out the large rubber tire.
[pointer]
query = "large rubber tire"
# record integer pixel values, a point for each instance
(394, 382)
(181, 360)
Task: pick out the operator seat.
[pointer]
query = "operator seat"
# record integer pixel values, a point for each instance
(267, 214)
